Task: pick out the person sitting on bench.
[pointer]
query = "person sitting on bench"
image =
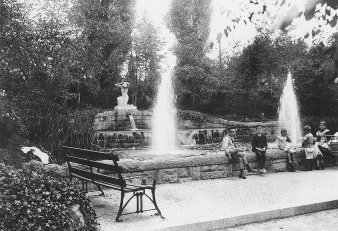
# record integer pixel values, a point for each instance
(231, 151)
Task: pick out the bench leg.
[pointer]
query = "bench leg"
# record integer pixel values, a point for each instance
(121, 208)
(137, 202)
(99, 187)
(141, 202)
(155, 204)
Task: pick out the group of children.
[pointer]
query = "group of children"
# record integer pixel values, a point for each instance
(315, 148)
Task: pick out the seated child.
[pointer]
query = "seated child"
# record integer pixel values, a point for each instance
(284, 143)
(309, 147)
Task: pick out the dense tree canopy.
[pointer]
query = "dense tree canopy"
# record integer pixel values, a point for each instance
(190, 23)
(56, 72)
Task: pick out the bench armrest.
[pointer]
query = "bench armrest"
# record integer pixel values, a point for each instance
(132, 177)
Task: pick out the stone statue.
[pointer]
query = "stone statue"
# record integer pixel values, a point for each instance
(122, 101)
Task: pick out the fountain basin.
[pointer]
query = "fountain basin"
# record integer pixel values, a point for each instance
(194, 164)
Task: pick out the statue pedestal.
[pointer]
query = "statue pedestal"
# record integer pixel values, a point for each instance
(125, 108)
(122, 121)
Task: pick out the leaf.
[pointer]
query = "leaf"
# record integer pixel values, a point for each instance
(333, 22)
(251, 15)
(307, 35)
(328, 12)
(211, 45)
(315, 32)
(283, 2)
(285, 24)
(309, 13)
(226, 32)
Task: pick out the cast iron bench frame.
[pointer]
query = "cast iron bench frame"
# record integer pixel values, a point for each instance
(81, 163)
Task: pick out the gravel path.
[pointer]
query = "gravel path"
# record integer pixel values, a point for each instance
(210, 200)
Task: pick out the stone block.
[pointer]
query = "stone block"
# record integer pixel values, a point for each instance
(279, 167)
(169, 175)
(184, 172)
(196, 173)
(206, 168)
(184, 179)
(212, 175)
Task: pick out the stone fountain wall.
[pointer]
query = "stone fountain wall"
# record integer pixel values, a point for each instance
(113, 130)
(207, 165)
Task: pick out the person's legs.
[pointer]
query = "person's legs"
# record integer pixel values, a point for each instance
(241, 164)
(263, 159)
(310, 164)
(320, 161)
(292, 157)
(242, 157)
(288, 153)
(259, 157)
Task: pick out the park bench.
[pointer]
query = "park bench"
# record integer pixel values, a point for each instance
(334, 150)
(85, 165)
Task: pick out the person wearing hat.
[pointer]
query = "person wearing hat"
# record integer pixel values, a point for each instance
(231, 151)
(308, 144)
(323, 137)
(284, 143)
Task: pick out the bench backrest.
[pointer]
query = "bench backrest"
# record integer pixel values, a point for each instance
(334, 148)
(89, 154)
(83, 163)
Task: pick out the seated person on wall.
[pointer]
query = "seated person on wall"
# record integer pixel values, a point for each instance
(323, 136)
(259, 146)
(231, 151)
(284, 143)
(308, 144)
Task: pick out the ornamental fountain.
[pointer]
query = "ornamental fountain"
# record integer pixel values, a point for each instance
(288, 112)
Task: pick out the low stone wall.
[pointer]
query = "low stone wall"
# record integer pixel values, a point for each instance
(182, 168)
(208, 165)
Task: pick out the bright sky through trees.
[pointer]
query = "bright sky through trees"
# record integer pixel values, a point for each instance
(223, 13)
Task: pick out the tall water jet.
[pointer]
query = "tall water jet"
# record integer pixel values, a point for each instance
(288, 112)
(164, 116)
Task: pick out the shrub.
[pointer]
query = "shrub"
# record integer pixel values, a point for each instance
(32, 200)
(194, 115)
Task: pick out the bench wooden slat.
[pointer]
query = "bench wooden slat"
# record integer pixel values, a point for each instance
(77, 160)
(113, 186)
(107, 179)
(89, 154)
(110, 167)
(80, 172)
